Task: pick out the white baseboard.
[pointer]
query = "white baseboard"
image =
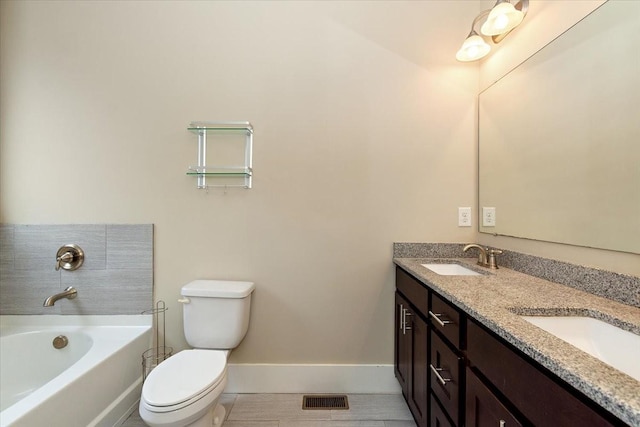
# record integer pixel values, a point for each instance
(267, 378)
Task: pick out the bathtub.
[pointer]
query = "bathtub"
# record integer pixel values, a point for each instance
(94, 381)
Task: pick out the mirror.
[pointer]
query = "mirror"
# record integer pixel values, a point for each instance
(559, 138)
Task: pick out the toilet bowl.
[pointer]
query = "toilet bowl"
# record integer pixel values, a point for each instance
(185, 389)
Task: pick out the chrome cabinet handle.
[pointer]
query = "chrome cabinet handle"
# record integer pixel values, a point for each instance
(437, 371)
(407, 326)
(404, 326)
(503, 423)
(436, 317)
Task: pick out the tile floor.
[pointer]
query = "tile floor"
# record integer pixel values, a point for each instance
(285, 410)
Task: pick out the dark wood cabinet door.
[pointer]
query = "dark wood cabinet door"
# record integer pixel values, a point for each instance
(419, 390)
(483, 408)
(411, 358)
(402, 354)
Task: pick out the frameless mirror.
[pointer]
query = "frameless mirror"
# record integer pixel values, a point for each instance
(559, 137)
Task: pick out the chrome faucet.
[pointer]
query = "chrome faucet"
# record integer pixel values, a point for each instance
(69, 293)
(482, 253)
(486, 256)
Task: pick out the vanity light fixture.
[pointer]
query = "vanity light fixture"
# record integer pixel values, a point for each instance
(474, 47)
(503, 18)
(498, 22)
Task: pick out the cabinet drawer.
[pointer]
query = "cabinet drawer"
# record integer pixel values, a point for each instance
(446, 319)
(445, 380)
(484, 408)
(537, 395)
(438, 417)
(415, 292)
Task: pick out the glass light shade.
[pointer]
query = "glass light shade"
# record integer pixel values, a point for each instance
(502, 18)
(473, 48)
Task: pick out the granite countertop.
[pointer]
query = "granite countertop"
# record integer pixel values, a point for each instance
(497, 297)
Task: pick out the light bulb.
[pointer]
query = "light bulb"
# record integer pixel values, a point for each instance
(473, 48)
(502, 18)
(501, 22)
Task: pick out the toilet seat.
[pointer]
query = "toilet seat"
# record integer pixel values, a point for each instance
(183, 379)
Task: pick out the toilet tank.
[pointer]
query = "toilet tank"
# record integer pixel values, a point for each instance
(216, 313)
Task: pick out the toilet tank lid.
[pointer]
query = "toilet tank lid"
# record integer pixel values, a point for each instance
(218, 289)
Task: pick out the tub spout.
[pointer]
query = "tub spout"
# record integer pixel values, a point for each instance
(69, 293)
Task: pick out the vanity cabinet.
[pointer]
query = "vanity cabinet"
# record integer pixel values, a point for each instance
(411, 358)
(454, 372)
(428, 358)
(540, 398)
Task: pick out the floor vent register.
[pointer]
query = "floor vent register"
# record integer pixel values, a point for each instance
(325, 401)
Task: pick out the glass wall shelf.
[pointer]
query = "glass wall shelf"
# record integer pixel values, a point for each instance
(219, 171)
(198, 127)
(236, 176)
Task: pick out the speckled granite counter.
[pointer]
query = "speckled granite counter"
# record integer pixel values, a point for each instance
(497, 297)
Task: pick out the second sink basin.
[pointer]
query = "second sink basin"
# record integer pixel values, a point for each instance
(451, 270)
(612, 345)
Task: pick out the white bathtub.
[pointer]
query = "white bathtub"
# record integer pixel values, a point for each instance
(94, 381)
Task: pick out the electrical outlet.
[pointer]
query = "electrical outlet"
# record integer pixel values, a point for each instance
(489, 217)
(464, 217)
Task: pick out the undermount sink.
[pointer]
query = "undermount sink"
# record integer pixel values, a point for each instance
(451, 270)
(610, 344)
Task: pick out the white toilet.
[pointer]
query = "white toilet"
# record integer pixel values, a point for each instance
(184, 390)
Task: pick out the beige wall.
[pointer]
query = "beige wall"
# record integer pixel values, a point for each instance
(364, 135)
(545, 21)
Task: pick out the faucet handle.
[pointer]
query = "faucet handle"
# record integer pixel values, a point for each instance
(491, 258)
(64, 258)
(69, 257)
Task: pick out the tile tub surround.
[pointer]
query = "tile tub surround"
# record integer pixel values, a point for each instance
(115, 278)
(494, 299)
(618, 287)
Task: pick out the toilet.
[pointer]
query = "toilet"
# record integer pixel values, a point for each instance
(184, 390)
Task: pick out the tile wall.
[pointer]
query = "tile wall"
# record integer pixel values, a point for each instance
(115, 278)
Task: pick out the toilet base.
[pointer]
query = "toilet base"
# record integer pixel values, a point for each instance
(218, 415)
(214, 418)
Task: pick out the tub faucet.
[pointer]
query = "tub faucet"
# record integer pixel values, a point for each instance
(486, 256)
(69, 293)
